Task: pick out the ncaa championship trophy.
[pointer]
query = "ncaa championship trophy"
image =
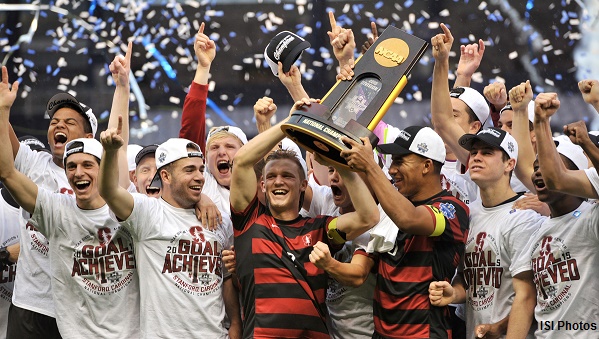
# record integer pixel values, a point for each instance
(354, 108)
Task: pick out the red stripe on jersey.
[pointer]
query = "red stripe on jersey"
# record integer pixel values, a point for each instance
(273, 276)
(265, 246)
(269, 333)
(408, 303)
(286, 306)
(419, 244)
(402, 331)
(405, 273)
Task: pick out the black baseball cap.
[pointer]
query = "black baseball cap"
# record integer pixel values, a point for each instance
(148, 150)
(416, 140)
(34, 143)
(285, 47)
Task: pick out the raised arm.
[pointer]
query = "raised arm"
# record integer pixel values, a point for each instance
(21, 188)
(470, 58)
(407, 217)
(193, 118)
(264, 110)
(579, 135)
(292, 80)
(590, 92)
(343, 42)
(520, 96)
(118, 199)
(243, 179)
(555, 174)
(119, 112)
(366, 213)
(441, 108)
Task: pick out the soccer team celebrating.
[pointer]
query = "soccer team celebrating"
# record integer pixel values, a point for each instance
(482, 225)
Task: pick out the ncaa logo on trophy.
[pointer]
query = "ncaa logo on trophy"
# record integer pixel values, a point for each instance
(354, 108)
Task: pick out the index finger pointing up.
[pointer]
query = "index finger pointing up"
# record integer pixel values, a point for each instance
(332, 20)
(201, 30)
(128, 54)
(446, 31)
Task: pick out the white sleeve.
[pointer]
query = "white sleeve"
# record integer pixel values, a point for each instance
(517, 241)
(593, 178)
(322, 198)
(144, 214)
(31, 162)
(48, 207)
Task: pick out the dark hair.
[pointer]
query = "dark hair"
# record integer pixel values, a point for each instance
(506, 157)
(282, 154)
(569, 164)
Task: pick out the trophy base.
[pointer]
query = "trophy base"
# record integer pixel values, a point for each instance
(311, 128)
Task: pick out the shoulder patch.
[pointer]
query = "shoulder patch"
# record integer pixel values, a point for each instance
(448, 210)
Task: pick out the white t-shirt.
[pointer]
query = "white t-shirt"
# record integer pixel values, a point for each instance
(95, 283)
(32, 288)
(459, 185)
(564, 260)
(9, 234)
(219, 194)
(493, 256)
(181, 269)
(350, 308)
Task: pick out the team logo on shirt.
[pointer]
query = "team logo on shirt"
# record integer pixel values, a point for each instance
(38, 242)
(307, 240)
(555, 270)
(105, 262)
(482, 270)
(194, 265)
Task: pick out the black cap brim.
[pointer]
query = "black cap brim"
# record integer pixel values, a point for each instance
(148, 150)
(295, 52)
(393, 149)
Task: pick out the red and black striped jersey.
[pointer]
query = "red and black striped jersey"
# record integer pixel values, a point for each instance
(283, 293)
(401, 304)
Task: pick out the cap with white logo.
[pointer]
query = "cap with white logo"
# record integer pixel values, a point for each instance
(473, 99)
(493, 137)
(61, 100)
(172, 150)
(83, 145)
(285, 47)
(417, 140)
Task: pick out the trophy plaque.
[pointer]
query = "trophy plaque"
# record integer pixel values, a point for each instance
(354, 108)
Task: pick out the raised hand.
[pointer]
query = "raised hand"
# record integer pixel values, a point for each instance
(578, 133)
(8, 93)
(360, 156)
(120, 67)
(343, 42)
(204, 48)
(371, 39)
(264, 109)
(470, 58)
(496, 94)
(111, 138)
(291, 79)
(345, 73)
(590, 91)
(546, 104)
(442, 44)
(520, 96)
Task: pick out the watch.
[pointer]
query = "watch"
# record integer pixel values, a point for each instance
(4, 255)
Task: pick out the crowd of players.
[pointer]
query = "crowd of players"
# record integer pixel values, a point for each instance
(483, 225)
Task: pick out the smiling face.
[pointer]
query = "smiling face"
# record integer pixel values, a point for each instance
(407, 175)
(182, 182)
(82, 173)
(144, 173)
(66, 125)
(283, 185)
(219, 154)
